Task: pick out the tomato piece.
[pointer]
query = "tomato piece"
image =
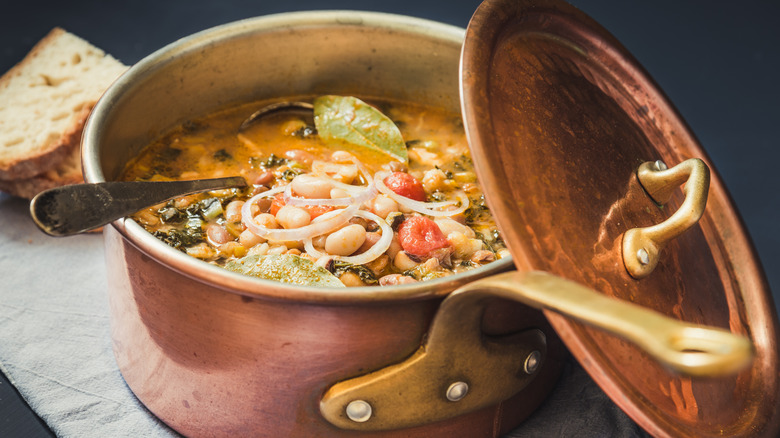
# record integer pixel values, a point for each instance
(419, 236)
(405, 185)
(314, 210)
(277, 203)
(318, 210)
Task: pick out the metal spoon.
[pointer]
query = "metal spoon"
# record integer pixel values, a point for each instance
(274, 108)
(74, 209)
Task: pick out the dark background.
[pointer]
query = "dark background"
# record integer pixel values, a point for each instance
(717, 61)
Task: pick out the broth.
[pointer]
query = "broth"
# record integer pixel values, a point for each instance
(387, 218)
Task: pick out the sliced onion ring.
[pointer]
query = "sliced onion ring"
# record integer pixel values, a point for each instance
(323, 168)
(289, 199)
(349, 188)
(372, 254)
(335, 220)
(426, 208)
(363, 170)
(366, 193)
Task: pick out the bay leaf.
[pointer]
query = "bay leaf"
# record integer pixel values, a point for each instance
(351, 121)
(284, 268)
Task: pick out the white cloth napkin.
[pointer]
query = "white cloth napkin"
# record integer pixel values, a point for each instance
(55, 344)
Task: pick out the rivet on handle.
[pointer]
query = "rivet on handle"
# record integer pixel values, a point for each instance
(359, 411)
(532, 362)
(457, 391)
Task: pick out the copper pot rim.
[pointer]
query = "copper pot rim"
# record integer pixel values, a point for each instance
(242, 284)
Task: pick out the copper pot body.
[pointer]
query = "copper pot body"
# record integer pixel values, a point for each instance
(213, 353)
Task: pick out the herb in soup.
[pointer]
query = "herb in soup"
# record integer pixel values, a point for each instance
(349, 196)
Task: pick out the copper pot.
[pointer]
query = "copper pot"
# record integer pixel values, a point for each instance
(214, 353)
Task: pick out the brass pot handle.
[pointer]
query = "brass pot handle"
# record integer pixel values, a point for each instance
(686, 348)
(642, 246)
(459, 370)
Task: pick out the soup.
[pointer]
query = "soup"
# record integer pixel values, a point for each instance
(342, 193)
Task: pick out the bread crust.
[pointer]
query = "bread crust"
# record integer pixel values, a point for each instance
(29, 187)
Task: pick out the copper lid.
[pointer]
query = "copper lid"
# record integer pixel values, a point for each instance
(560, 116)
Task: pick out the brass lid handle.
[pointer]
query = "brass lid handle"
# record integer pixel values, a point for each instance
(642, 246)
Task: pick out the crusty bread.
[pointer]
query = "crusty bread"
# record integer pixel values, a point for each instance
(67, 171)
(44, 102)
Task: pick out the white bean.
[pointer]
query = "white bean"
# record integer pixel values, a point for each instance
(393, 279)
(379, 264)
(463, 246)
(248, 239)
(147, 217)
(324, 261)
(261, 249)
(395, 247)
(483, 256)
(287, 243)
(346, 174)
(396, 166)
(280, 249)
(264, 178)
(403, 262)
(185, 201)
(433, 180)
(233, 211)
(336, 193)
(432, 265)
(292, 217)
(342, 156)
(319, 241)
(350, 279)
(201, 251)
(267, 220)
(420, 155)
(231, 249)
(383, 205)
(312, 187)
(217, 234)
(447, 226)
(346, 240)
(371, 239)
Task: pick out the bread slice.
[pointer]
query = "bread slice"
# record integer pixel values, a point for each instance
(67, 171)
(44, 101)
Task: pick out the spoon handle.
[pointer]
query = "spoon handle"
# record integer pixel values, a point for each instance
(73, 209)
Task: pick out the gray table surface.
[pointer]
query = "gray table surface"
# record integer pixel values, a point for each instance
(717, 61)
